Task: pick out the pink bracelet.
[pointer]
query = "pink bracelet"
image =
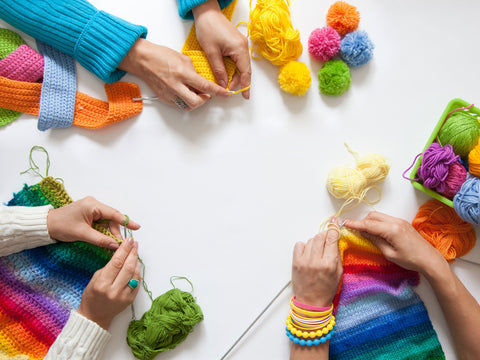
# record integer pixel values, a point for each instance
(309, 307)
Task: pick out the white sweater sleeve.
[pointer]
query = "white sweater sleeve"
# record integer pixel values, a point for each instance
(80, 339)
(23, 227)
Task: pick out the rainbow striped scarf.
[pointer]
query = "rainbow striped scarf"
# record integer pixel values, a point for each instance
(379, 314)
(39, 287)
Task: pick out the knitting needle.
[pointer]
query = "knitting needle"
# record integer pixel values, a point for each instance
(265, 309)
(231, 92)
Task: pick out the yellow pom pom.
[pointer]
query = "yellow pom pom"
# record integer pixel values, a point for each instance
(294, 78)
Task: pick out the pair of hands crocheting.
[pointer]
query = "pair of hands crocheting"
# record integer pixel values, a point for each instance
(107, 294)
(171, 75)
(317, 267)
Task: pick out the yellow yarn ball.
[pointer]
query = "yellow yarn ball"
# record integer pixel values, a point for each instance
(272, 33)
(345, 183)
(374, 167)
(294, 78)
(474, 161)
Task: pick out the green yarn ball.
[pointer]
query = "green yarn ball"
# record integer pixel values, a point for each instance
(10, 41)
(334, 78)
(462, 131)
(168, 322)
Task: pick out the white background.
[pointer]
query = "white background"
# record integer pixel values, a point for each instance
(224, 192)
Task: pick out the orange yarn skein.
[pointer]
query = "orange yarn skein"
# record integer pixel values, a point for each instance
(440, 225)
(474, 161)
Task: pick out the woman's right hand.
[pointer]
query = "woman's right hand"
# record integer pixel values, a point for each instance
(398, 241)
(107, 294)
(169, 74)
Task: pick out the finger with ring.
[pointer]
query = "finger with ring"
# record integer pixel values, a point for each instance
(180, 103)
(133, 283)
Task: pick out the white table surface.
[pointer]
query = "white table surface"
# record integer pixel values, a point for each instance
(224, 192)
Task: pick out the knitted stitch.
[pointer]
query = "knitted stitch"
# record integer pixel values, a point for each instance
(59, 87)
(193, 49)
(39, 287)
(90, 113)
(23, 64)
(379, 315)
(185, 7)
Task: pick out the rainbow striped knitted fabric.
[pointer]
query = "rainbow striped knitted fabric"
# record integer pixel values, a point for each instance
(39, 287)
(379, 315)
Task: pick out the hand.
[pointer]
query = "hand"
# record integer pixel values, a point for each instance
(218, 38)
(73, 222)
(169, 74)
(317, 268)
(399, 242)
(107, 294)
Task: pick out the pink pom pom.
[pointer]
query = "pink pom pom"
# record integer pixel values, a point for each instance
(455, 179)
(324, 43)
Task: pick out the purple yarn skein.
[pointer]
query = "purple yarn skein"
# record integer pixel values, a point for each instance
(435, 166)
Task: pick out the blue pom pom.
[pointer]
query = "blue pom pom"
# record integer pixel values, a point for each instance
(356, 48)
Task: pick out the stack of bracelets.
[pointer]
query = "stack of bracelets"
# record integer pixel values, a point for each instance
(309, 325)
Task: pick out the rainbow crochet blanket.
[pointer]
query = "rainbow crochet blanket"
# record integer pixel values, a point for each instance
(379, 315)
(39, 287)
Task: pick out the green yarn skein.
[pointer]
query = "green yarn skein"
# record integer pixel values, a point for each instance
(462, 131)
(334, 78)
(168, 322)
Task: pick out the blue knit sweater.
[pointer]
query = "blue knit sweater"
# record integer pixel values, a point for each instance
(97, 40)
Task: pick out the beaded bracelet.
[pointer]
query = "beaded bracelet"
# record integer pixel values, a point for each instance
(299, 331)
(315, 342)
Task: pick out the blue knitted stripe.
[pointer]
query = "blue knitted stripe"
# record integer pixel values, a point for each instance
(59, 89)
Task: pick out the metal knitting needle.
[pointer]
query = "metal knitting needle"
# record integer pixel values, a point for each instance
(263, 311)
(231, 92)
(256, 319)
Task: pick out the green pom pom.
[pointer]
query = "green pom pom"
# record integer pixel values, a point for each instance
(10, 42)
(462, 131)
(334, 78)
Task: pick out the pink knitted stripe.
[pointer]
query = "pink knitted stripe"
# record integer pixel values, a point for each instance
(23, 64)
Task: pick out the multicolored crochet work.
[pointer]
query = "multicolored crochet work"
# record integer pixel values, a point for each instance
(21, 68)
(40, 286)
(379, 315)
(193, 49)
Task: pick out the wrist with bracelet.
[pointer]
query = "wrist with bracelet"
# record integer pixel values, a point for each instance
(309, 325)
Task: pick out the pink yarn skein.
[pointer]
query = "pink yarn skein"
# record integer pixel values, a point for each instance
(436, 162)
(324, 43)
(457, 174)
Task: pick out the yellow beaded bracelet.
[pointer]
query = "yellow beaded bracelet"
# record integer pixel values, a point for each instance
(311, 334)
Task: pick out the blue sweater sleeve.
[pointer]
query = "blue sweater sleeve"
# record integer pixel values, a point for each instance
(185, 7)
(97, 40)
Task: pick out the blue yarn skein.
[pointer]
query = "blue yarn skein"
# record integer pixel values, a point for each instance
(467, 201)
(356, 48)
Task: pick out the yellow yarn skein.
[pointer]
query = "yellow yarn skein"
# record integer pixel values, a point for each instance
(353, 184)
(272, 33)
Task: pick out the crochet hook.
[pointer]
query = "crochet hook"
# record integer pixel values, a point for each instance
(264, 310)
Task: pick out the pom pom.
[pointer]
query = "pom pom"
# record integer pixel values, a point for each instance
(435, 165)
(356, 48)
(457, 174)
(466, 201)
(294, 78)
(440, 226)
(462, 131)
(334, 78)
(324, 43)
(343, 17)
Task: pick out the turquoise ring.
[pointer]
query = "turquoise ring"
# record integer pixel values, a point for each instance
(133, 283)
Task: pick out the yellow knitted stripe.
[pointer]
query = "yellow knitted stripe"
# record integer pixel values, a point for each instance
(192, 49)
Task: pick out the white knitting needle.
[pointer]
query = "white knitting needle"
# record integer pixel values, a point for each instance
(263, 311)
(156, 98)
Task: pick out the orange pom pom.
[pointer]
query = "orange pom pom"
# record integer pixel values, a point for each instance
(343, 17)
(441, 226)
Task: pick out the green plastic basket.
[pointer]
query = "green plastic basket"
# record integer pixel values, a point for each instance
(452, 105)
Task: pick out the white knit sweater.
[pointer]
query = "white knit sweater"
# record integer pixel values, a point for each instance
(25, 228)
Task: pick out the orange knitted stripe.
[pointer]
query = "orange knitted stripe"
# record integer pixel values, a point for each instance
(89, 112)
(22, 346)
(193, 49)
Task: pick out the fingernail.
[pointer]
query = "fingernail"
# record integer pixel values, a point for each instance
(135, 244)
(332, 219)
(130, 241)
(113, 246)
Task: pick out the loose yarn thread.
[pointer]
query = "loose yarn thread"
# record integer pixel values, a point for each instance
(353, 184)
(441, 226)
